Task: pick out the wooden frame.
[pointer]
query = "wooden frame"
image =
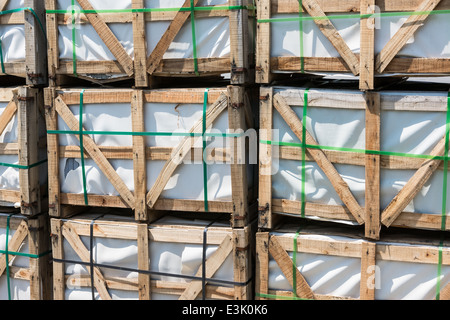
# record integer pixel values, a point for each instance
(27, 105)
(35, 232)
(372, 215)
(144, 66)
(279, 246)
(146, 203)
(239, 243)
(34, 68)
(366, 65)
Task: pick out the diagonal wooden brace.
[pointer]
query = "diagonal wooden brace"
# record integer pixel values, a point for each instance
(320, 158)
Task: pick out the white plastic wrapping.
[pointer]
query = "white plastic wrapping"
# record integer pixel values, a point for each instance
(19, 288)
(187, 181)
(341, 276)
(13, 37)
(171, 258)
(412, 132)
(212, 34)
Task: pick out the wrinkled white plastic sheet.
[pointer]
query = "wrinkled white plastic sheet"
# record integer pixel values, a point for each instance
(411, 132)
(341, 276)
(171, 258)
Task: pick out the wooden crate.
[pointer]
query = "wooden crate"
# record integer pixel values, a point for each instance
(23, 151)
(143, 66)
(145, 270)
(340, 264)
(142, 195)
(28, 252)
(365, 61)
(394, 166)
(32, 64)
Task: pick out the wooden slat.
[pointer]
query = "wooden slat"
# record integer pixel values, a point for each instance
(3, 4)
(330, 32)
(239, 43)
(139, 156)
(398, 41)
(262, 265)
(341, 187)
(8, 114)
(109, 39)
(143, 262)
(368, 276)
(239, 192)
(14, 245)
(265, 159)
(367, 58)
(413, 186)
(284, 261)
(372, 167)
(182, 149)
(140, 45)
(92, 149)
(214, 262)
(263, 41)
(77, 245)
(168, 37)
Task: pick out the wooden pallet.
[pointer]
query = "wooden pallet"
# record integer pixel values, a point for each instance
(34, 233)
(368, 64)
(372, 215)
(25, 108)
(236, 243)
(278, 246)
(34, 68)
(144, 65)
(236, 101)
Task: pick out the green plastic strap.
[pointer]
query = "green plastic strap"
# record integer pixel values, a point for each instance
(1, 57)
(294, 263)
(438, 285)
(302, 56)
(205, 167)
(372, 152)
(83, 166)
(17, 166)
(305, 114)
(276, 297)
(74, 44)
(194, 38)
(7, 253)
(356, 16)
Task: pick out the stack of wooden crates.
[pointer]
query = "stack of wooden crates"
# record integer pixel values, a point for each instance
(353, 173)
(147, 110)
(25, 270)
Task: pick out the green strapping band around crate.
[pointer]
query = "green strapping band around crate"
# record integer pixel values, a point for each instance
(301, 32)
(204, 134)
(294, 263)
(305, 114)
(15, 11)
(7, 253)
(356, 16)
(192, 9)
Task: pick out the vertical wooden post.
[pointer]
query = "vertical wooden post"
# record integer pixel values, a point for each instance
(51, 117)
(372, 212)
(367, 57)
(144, 280)
(36, 44)
(239, 43)
(236, 120)
(52, 38)
(368, 271)
(263, 42)
(242, 263)
(28, 137)
(139, 156)
(262, 265)
(59, 283)
(140, 45)
(265, 159)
